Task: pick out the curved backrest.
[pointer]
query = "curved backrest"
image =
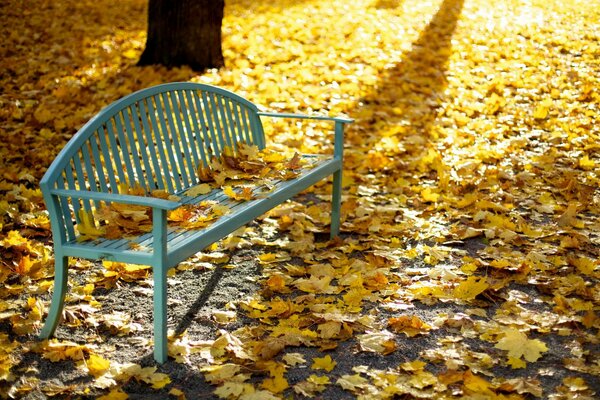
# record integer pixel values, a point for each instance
(156, 138)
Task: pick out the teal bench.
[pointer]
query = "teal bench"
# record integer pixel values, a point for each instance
(156, 139)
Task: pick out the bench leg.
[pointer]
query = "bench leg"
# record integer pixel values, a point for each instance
(336, 203)
(61, 265)
(161, 352)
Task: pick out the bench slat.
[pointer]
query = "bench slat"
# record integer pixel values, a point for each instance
(180, 134)
(175, 141)
(189, 133)
(150, 138)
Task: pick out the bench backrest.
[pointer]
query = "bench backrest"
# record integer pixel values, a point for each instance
(156, 138)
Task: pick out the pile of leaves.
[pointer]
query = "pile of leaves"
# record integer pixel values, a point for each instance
(468, 261)
(254, 172)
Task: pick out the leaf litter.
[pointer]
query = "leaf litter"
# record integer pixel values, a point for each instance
(468, 261)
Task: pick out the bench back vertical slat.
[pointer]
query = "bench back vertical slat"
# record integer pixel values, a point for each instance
(115, 129)
(80, 181)
(152, 143)
(207, 144)
(226, 129)
(156, 138)
(144, 148)
(111, 153)
(165, 155)
(102, 170)
(245, 124)
(211, 120)
(92, 181)
(175, 141)
(172, 166)
(233, 127)
(130, 147)
(187, 115)
(65, 215)
(181, 136)
(108, 159)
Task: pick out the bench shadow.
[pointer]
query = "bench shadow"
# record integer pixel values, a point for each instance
(187, 319)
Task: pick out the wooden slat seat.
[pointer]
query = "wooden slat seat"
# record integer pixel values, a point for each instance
(157, 139)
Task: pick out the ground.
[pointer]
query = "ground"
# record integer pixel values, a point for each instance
(467, 265)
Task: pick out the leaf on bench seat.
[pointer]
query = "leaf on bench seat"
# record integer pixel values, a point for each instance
(249, 163)
(198, 190)
(245, 194)
(87, 226)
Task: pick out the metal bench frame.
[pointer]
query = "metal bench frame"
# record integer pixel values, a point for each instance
(157, 138)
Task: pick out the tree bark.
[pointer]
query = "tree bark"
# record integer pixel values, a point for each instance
(184, 32)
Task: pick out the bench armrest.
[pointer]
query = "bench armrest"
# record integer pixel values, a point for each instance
(117, 198)
(338, 141)
(344, 120)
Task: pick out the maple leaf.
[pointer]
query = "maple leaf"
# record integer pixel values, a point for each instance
(198, 190)
(518, 345)
(87, 226)
(245, 194)
(409, 325)
(115, 394)
(294, 359)
(378, 342)
(325, 363)
(233, 389)
(97, 365)
(470, 288)
(276, 384)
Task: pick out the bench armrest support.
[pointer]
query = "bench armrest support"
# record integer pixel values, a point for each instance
(344, 120)
(117, 198)
(339, 127)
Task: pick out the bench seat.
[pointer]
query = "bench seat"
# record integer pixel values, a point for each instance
(183, 243)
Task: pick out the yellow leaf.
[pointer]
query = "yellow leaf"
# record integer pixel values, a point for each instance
(276, 283)
(568, 218)
(245, 194)
(318, 380)
(329, 329)
(378, 342)
(43, 115)
(276, 384)
(325, 363)
(233, 390)
(470, 288)
(585, 265)
(216, 374)
(475, 383)
(14, 239)
(516, 363)
(518, 345)
(428, 195)
(97, 365)
(177, 393)
(409, 325)
(198, 190)
(314, 284)
(586, 163)
(115, 394)
(294, 359)
(541, 110)
(87, 227)
(159, 380)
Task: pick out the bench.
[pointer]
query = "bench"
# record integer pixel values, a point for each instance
(157, 139)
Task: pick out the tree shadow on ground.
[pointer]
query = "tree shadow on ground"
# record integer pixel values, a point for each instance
(412, 91)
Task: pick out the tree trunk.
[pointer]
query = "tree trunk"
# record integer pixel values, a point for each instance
(184, 32)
